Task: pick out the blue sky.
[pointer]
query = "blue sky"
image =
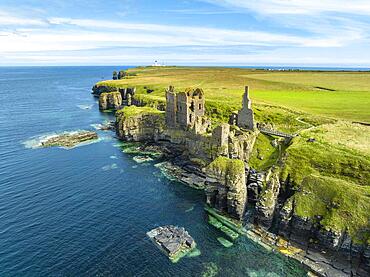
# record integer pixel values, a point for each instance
(202, 32)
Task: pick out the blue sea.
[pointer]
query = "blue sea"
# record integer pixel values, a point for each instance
(85, 211)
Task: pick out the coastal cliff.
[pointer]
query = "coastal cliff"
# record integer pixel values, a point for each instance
(99, 89)
(139, 123)
(266, 204)
(291, 188)
(226, 189)
(110, 100)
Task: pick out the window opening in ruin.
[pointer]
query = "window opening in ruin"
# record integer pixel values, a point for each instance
(192, 106)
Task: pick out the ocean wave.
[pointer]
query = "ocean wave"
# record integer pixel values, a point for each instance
(85, 107)
(109, 167)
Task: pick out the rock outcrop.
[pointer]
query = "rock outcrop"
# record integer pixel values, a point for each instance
(254, 185)
(110, 100)
(99, 89)
(172, 240)
(139, 123)
(226, 189)
(266, 204)
(69, 140)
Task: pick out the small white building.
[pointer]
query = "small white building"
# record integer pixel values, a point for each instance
(156, 63)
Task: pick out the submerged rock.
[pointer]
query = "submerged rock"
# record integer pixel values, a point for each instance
(226, 243)
(69, 140)
(210, 270)
(142, 159)
(174, 241)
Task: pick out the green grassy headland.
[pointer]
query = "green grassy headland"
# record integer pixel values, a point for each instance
(339, 95)
(332, 174)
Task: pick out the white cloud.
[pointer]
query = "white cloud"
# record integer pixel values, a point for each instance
(361, 7)
(7, 19)
(82, 34)
(85, 41)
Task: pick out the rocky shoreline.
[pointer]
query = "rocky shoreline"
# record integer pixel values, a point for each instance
(317, 260)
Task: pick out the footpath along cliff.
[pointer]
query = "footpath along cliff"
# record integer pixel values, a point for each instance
(216, 158)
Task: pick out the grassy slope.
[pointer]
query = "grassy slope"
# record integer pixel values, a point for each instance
(264, 155)
(133, 111)
(333, 200)
(332, 171)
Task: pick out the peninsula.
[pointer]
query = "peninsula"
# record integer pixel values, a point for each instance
(295, 164)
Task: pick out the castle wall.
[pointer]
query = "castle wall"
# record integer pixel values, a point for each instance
(171, 109)
(197, 102)
(220, 135)
(186, 110)
(183, 117)
(245, 115)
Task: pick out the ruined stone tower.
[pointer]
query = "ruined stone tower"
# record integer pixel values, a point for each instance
(171, 107)
(245, 115)
(184, 109)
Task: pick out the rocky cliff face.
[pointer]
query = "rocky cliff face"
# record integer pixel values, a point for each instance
(226, 189)
(326, 246)
(266, 204)
(139, 124)
(110, 100)
(99, 89)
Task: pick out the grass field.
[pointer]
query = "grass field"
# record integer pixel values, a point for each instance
(331, 173)
(339, 95)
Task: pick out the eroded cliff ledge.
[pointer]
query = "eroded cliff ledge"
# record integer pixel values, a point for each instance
(110, 100)
(139, 123)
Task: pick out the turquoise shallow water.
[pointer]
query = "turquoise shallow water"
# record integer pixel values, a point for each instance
(85, 211)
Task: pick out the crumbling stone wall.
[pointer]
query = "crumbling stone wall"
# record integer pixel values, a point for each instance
(245, 115)
(185, 109)
(171, 107)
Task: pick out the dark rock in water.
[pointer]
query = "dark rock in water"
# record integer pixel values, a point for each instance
(69, 140)
(174, 241)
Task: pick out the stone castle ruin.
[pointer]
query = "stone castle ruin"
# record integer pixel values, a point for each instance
(244, 118)
(186, 129)
(185, 110)
(245, 115)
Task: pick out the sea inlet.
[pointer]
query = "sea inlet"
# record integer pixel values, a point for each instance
(85, 211)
